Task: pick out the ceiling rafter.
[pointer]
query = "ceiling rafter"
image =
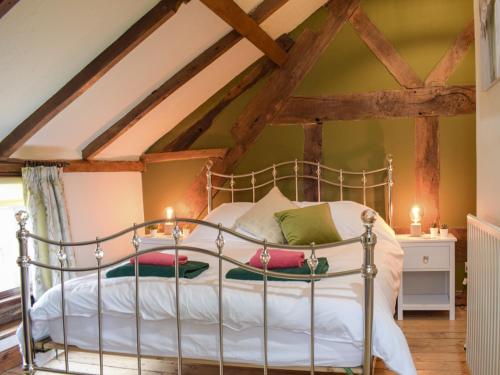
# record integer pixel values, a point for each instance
(236, 17)
(160, 157)
(82, 81)
(262, 12)
(6, 5)
(259, 70)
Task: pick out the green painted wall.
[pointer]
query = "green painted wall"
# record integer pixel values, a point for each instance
(421, 30)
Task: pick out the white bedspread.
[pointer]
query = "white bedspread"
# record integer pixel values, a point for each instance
(338, 310)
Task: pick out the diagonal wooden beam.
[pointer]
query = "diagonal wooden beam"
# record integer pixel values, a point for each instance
(6, 5)
(264, 106)
(452, 58)
(260, 69)
(263, 11)
(384, 50)
(424, 101)
(159, 157)
(89, 75)
(230, 12)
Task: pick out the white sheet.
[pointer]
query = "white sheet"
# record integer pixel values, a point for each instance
(338, 301)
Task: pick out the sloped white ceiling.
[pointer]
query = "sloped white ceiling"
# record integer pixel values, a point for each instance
(39, 68)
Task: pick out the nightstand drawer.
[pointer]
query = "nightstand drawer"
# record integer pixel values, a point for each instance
(426, 257)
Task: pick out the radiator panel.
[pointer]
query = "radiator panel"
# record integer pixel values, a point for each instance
(483, 297)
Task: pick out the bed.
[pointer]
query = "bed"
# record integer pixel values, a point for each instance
(269, 324)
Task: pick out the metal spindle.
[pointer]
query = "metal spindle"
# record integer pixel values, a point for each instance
(231, 184)
(368, 271)
(364, 187)
(99, 254)
(296, 171)
(312, 262)
(23, 263)
(176, 232)
(219, 242)
(318, 174)
(136, 242)
(61, 256)
(209, 165)
(275, 174)
(341, 183)
(390, 184)
(265, 257)
(253, 187)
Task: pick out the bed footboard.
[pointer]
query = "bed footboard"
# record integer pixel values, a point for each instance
(367, 271)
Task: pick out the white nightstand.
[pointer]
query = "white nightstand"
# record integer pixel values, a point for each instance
(428, 281)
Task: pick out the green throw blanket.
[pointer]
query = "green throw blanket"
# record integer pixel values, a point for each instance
(189, 270)
(242, 274)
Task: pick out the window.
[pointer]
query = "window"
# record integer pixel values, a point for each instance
(11, 200)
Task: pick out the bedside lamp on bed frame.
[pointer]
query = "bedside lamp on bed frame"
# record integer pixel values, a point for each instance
(416, 214)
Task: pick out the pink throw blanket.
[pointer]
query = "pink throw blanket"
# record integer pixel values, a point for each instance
(159, 259)
(279, 259)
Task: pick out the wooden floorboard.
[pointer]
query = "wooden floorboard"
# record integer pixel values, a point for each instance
(436, 344)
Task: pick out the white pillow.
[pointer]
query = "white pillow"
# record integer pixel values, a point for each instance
(260, 220)
(225, 214)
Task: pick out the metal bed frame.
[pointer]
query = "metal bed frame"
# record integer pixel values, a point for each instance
(368, 269)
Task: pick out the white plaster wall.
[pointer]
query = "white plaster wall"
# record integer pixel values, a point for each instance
(100, 204)
(488, 139)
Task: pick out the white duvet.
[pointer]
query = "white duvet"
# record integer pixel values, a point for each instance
(338, 309)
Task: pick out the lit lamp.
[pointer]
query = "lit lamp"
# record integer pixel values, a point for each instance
(170, 215)
(416, 214)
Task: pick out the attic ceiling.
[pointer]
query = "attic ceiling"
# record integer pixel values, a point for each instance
(45, 43)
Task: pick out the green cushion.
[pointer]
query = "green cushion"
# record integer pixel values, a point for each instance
(302, 226)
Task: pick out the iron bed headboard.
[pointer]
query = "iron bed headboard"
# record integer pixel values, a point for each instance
(368, 269)
(318, 176)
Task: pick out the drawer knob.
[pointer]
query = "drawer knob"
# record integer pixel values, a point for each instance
(425, 259)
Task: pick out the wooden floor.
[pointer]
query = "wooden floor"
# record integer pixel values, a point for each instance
(437, 346)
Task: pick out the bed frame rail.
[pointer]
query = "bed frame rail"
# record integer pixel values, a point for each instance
(367, 271)
(281, 172)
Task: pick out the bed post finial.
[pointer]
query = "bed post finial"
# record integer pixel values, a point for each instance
(390, 184)
(209, 166)
(23, 263)
(368, 271)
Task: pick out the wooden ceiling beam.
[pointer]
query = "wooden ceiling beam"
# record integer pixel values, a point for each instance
(236, 17)
(6, 5)
(159, 157)
(207, 57)
(260, 69)
(12, 166)
(452, 58)
(81, 82)
(425, 101)
(384, 50)
(266, 104)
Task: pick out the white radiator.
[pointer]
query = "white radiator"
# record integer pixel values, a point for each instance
(483, 297)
